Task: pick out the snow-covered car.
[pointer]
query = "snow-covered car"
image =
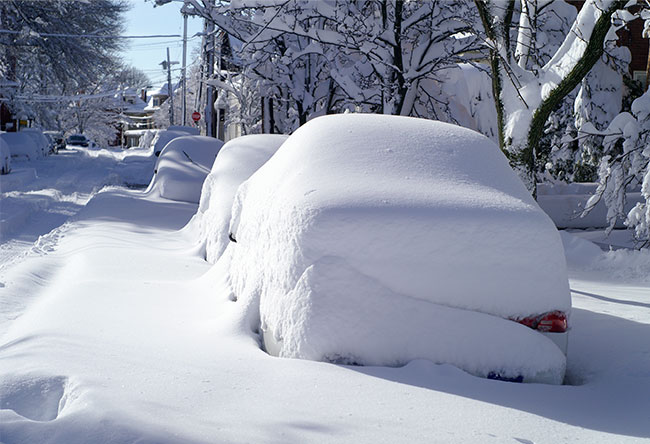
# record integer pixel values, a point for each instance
(22, 146)
(78, 140)
(238, 159)
(377, 240)
(57, 138)
(162, 138)
(183, 166)
(39, 139)
(5, 157)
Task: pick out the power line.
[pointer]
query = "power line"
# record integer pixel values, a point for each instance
(90, 36)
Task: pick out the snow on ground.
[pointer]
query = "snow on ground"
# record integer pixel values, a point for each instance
(129, 336)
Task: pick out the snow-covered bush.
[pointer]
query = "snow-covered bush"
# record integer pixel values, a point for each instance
(5, 157)
(628, 140)
(237, 160)
(163, 137)
(146, 141)
(182, 167)
(380, 239)
(22, 146)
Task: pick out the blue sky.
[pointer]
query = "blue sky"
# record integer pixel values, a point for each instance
(146, 54)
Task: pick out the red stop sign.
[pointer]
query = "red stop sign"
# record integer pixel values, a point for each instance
(196, 116)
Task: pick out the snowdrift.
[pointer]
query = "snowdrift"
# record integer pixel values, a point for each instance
(183, 166)
(237, 160)
(380, 239)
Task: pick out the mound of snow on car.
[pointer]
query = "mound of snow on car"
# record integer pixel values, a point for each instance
(162, 138)
(183, 166)
(22, 146)
(237, 160)
(380, 239)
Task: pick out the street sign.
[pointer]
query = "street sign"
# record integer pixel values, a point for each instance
(196, 116)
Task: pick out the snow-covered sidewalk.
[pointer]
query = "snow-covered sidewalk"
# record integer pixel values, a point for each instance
(117, 331)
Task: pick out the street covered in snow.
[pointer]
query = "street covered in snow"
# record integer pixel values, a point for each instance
(118, 330)
(332, 221)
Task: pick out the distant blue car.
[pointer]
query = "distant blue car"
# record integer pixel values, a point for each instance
(78, 140)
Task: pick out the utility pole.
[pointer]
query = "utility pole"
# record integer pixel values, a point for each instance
(184, 119)
(209, 52)
(170, 90)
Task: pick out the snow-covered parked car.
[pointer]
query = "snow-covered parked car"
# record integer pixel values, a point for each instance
(41, 141)
(162, 138)
(377, 240)
(183, 166)
(5, 157)
(238, 159)
(22, 146)
(57, 138)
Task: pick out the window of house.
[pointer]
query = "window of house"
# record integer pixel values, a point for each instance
(640, 76)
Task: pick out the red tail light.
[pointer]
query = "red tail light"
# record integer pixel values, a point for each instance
(554, 322)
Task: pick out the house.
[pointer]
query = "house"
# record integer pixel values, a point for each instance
(156, 97)
(138, 111)
(10, 121)
(136, 120)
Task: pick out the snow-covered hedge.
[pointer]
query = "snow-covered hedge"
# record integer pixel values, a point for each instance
(377, 239)
(237, 160)
(182, 167)
(22, 146)
(5, 157)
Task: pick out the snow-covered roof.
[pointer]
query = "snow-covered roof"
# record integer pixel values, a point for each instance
(162, 90)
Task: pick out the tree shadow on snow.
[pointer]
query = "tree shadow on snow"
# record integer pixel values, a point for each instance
(608, 363)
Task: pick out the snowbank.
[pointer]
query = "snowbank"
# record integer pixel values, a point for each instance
(564, 204)
(624, 265)
(237, 160)
(22, 146)
(183, 166)
(5, 157)
(362, 227)
(162, 138)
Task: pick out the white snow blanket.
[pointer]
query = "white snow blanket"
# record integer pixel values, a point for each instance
(237, 160)
(380, 239)
(182, 167)
(112, 330)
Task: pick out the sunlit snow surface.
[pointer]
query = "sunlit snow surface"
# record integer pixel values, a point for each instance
(127, 335)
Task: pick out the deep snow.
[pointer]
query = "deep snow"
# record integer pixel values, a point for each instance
(128, 335)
